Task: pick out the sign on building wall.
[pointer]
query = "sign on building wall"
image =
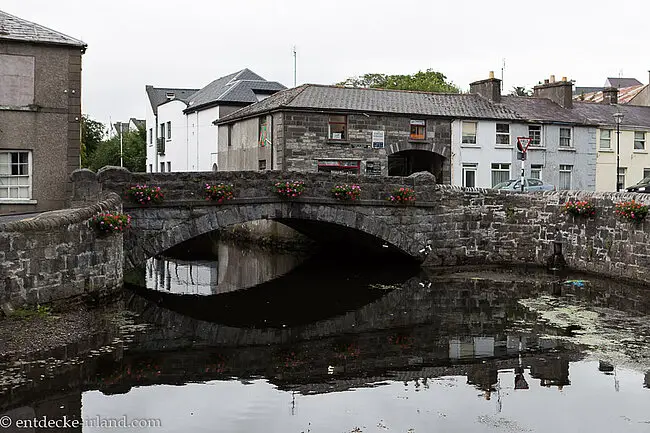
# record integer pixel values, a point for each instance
(373, 168)
(377, 139)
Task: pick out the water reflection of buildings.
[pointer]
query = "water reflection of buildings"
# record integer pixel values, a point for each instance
(647, 379)
(182, 277)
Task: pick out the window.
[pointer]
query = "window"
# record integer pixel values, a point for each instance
(162, 131)
(16, 80)
(418, 129)
(646, 172)
(150, 168)
(469, 175)
(639, 140)
(535, 135)
(229, 136)
(169, 130)
(500, 172)
(169, 166)
(606, 139)
(337, 127)
(339, 166)
(162, 167)
(565, 177)
(503, 133)
(536, 171)
(622, 171)
(263, 137)
(469, 133)
(15, 175)
(565, 137)
(261, 164)
(150, 135)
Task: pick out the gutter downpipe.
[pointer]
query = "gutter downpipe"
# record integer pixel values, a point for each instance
(272, 140)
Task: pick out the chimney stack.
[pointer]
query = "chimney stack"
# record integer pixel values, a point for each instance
(610, 95)
(560, 92)
(489, 88)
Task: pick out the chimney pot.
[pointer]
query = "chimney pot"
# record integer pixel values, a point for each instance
(552, 79)
(546, 81)
(491, 75)
(564, 79)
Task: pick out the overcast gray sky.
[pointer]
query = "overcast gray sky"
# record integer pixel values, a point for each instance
(171, 43)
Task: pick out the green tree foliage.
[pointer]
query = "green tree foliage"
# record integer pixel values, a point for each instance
(428, 81)
(92, 133)
(520, 91)
(133, 147)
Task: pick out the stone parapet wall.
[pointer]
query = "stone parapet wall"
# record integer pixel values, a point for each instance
(57, 255)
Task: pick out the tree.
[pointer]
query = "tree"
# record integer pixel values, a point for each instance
(92, 133)
(134, 155)
(520, 91)
(428, 81)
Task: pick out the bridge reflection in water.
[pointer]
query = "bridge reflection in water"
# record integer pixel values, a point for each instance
(458, 352)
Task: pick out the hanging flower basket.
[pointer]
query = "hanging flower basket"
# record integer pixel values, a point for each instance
(107, 222)
(402, 196)
(219, 192)
(580, 208)
(289, 188)
(346, 192)
(144, 194)
(631, 210)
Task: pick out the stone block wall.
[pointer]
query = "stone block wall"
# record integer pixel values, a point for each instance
(56, 256)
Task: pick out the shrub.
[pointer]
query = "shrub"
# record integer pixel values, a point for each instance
(631, 210)
(289, 188)
(579, 208)
(346, 192)
(219, 192)
(144, 194)
(106, 223)
(402, 196)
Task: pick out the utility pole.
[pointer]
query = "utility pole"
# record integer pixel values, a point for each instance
(121, 160)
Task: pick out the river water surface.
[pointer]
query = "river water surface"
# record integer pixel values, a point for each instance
(245, 340)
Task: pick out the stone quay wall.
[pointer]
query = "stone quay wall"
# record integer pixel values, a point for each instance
(56, 255)
(448, 225)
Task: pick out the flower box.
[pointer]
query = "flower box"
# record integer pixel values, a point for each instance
(580, 208)
(402, 195)
(289, 188)
(346, 192)
(631, 210)
(219, 192)
(107, 222)
(144, 194)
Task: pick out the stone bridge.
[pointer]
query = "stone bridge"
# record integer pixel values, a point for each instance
(445, 226)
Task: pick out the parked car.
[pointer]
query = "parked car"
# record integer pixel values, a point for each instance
(530, 185)
(642, 186)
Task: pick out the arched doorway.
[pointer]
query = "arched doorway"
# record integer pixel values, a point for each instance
(407, 162)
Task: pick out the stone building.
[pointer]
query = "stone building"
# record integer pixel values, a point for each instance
(318, 128)
(40, 112)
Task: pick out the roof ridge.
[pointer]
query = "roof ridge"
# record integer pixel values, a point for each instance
(387, 90)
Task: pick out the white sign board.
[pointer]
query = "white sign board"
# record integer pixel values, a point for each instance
(377, 139)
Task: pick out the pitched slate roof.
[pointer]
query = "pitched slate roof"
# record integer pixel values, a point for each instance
(239, 87)
(625, 94)
(603, 114)
(18, 29)
(534, 109)
(622, 82)
(158, 95)
(337, 98)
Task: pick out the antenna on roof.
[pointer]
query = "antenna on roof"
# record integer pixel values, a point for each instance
(503, 67)
(294, 66)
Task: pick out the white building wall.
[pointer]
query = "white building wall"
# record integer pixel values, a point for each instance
(176, 149)
(150, 125)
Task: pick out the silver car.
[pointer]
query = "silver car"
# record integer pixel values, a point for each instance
(530, 185)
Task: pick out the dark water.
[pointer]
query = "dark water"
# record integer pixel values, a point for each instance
(348, 345)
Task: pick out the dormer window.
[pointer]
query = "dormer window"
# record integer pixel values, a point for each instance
(170, 95)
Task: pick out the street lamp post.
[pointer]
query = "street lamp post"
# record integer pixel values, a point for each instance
(618, 117)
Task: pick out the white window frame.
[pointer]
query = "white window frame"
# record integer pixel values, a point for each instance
(570, 138)
(499, 169)
(530, 135)
(621, 178)
(469, 167)
(169, 131)
(502, 135)
(564, 169)
(330, 122)
(539, 168)
(472, 140)
(639, 139)
(605, 137)
(5, 173)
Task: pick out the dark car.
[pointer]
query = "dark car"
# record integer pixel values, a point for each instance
(642, 186)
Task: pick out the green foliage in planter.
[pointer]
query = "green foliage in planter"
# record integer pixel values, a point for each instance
(107, 222)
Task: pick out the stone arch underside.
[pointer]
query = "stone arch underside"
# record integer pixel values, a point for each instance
(151, 236)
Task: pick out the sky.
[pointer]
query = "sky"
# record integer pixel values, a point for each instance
(169, 43)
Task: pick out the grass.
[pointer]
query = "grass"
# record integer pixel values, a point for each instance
(26, 313)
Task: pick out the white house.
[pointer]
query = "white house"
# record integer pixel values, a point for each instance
(180, 133)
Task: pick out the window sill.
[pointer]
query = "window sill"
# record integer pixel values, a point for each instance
(471, 146)
(536, 147)
(330, 141)
(606, 150)
(503, 146)
(566, 149)
(17, 201)
(642, 152)
(18, 108)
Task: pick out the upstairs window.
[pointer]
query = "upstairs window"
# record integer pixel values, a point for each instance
(639, 140)
(606, 139)
(418, 130)
(150, 135)
(169, 130)
(15, 176)
(162, 131)
(337, 126)
(535, 135)
(565, 137)
(503, 134)
(469, 133)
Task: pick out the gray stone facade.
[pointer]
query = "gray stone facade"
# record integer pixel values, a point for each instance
(57, 256)
(48, 126)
